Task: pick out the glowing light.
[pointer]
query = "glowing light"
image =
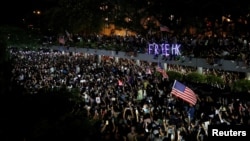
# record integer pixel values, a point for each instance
(164, 49)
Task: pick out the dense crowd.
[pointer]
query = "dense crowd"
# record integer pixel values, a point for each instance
(130, 102)
(213, 48)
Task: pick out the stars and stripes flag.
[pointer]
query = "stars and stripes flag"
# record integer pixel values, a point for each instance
(184, 92)
(61, 40)
(164, 28)
(120, 83)
(68, 35)
(148, 70)
(162, 71)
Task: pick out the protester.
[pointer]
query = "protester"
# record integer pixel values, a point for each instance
(131, 103)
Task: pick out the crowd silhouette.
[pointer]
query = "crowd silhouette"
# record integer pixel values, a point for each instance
(126, 101)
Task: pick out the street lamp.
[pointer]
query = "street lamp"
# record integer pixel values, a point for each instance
(104, 8)
(37, 14)
(127, 20)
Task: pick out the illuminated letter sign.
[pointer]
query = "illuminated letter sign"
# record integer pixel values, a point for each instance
(164, 49)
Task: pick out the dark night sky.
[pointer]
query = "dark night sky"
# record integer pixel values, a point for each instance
(14, 10)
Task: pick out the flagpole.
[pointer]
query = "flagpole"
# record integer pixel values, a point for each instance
(172, 88)
(174, 83)
(161, 35)
(158, 61)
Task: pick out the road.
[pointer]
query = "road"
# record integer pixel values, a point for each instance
(227, 65)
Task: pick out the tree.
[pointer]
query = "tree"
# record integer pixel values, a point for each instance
(242, 85)
(17, 36)
(75, 16)
(5, 93)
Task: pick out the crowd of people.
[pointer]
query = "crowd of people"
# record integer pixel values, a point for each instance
(130, 102)
(212, 47)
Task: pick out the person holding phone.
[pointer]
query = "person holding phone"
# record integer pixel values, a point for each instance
(106, 130)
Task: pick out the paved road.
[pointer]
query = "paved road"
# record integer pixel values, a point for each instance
(228, 65)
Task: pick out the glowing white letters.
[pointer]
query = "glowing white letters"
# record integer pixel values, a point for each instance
(216, 132)
(164, 49)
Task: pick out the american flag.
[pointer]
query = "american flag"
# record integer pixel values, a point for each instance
(164, 28)
(184, 92)
(162, 71)
(148, 70)
(68, 35)
(61, 40)
(120, 83)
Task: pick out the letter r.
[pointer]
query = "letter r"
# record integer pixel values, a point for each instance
(214, 132)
